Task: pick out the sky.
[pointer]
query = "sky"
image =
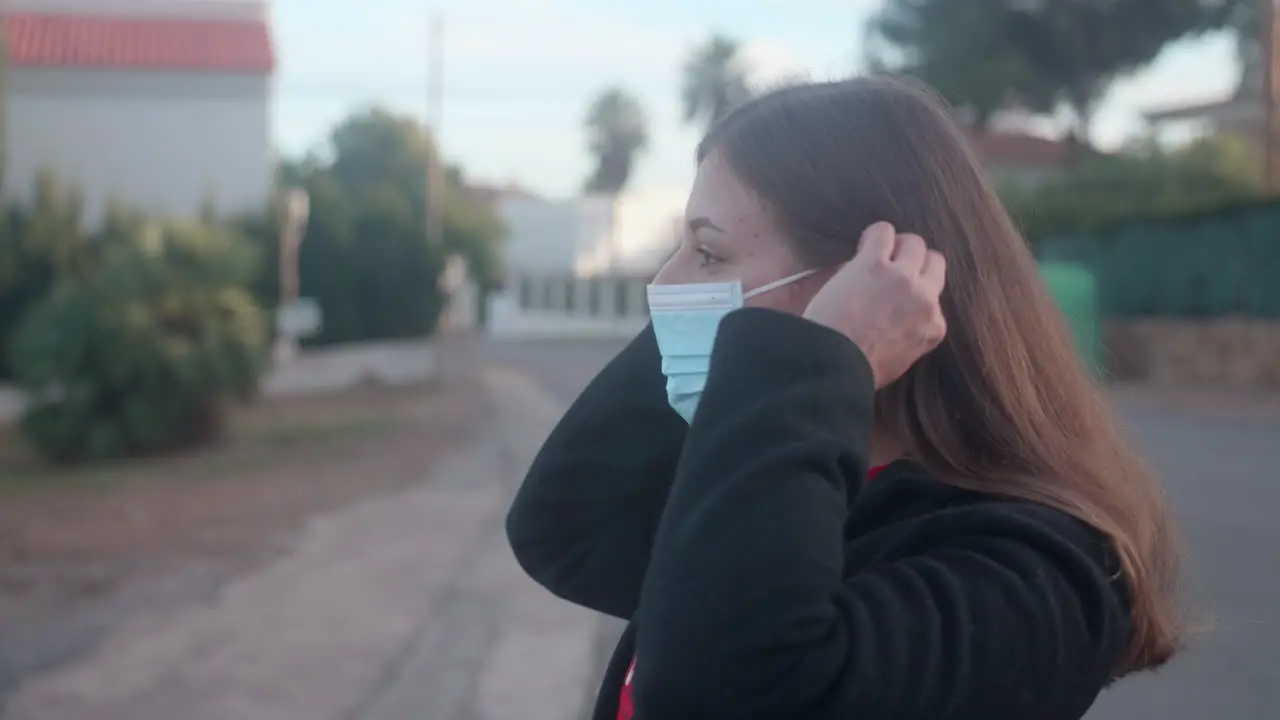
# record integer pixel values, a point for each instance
(519, 74)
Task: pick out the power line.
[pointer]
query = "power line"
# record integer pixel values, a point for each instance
(1270, 29)
(435, 111)
(523, 95)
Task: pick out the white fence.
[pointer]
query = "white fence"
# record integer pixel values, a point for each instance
(543, 307)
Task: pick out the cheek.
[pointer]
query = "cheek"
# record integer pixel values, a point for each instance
(793, 299)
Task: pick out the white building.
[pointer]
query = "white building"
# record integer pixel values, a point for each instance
(594, 235)
(580, 266)
(163, 105)
(1241, 114)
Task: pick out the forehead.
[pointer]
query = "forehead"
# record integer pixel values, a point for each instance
(719, 196)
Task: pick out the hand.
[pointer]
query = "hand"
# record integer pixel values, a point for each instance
(886, 300)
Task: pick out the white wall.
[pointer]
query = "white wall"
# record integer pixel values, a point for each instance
(646, 227)
(162, 142)
(542, 235)
(595, 235)
(237, 10)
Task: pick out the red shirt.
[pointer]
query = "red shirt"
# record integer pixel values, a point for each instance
(626, 702)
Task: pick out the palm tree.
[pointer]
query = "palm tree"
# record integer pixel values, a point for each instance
(714, 81)
(616, 131)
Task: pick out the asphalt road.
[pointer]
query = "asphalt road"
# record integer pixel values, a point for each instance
(1222, 472)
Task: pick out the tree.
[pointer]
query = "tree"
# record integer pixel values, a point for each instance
(1041, 53)
(616, 133)
(474, 231)
(43, 243)
(367, 259)
(715, 81)
(377, 151)
(142, 355)
(960, 49)
(1080, 48)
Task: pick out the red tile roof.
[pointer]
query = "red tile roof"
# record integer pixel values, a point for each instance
(492, 194)
(1009, 149)
(90, 41)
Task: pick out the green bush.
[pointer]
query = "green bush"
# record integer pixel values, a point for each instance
(1144, 182)
(39, 243)
(366, 259)
(43, 242)
(142, 355)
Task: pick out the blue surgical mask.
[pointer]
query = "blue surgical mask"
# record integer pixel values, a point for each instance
(685, 319)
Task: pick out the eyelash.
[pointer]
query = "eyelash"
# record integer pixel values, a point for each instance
(708, 258)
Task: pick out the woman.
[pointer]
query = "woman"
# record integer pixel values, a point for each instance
(884, 489)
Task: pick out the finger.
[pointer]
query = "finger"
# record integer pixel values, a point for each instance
(939, 331)
(877, 242)
(934, 272)
(911, 252)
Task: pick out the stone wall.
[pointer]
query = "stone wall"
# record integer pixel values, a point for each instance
(1225, 353)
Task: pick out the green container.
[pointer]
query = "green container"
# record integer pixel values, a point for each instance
(1076, 291)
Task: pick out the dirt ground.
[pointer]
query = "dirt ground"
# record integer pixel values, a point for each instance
(82, 550)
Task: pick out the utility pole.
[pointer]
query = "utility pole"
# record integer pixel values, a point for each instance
(290, 326)
(435, 114)
(1269, 27)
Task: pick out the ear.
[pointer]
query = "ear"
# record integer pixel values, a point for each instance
(794, 298)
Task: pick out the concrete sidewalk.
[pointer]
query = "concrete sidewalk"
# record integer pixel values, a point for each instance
(406, 606)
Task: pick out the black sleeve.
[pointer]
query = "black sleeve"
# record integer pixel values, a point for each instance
(582, 523)
(746, 612)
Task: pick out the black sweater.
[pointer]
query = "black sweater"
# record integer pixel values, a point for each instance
(763, 580)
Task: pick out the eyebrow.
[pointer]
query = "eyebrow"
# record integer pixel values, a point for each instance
(699, 223)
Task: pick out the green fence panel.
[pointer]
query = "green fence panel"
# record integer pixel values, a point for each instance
(1075, 289)
(1223, 262)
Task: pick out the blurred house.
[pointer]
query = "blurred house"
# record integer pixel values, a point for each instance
(630, 234)
(163, 105)
(1019, 157)
(1017, 147)
(1240, 114)
(578, 267)
(493, 195)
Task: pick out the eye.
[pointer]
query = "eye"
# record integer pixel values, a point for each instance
(708, 258)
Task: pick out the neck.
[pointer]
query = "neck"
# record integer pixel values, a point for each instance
(884, 448)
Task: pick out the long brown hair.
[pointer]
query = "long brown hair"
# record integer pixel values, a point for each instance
(1004, 405)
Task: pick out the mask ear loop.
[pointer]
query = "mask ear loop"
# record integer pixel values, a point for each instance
(777, 284)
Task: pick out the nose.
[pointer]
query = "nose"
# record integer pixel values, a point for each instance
(680, 268)
(670, 272)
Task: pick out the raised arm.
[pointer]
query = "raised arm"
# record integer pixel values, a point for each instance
(582, 523)
(990, 609)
